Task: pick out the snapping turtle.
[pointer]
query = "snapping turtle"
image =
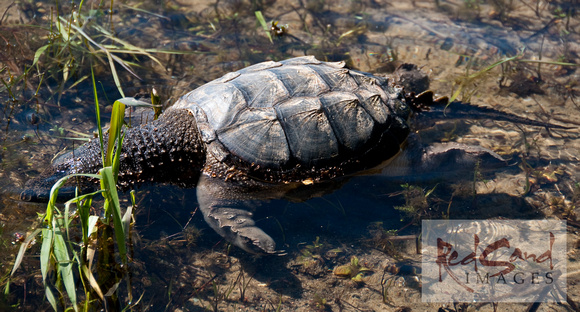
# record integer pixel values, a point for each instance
(261, 133)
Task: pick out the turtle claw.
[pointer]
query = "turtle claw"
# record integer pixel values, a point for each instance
(237, 226)
(253, 240)
(244, 234)
(229, 214)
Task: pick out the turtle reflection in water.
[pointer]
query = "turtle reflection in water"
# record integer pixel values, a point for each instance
(271, 130)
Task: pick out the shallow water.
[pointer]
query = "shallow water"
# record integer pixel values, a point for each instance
(176, 257)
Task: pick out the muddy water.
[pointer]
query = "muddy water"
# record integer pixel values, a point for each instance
(179, 263)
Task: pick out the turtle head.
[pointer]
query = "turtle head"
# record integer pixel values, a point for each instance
(39, 188)
(412, 84)
(85, 159)
(400, 105)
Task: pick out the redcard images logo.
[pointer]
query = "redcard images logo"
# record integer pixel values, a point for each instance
(494, 261)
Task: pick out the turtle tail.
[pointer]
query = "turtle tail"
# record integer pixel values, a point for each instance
(427, 113)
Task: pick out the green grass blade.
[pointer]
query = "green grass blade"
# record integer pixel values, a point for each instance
(45, 251)
(112, 58)
(131, 101)
(92, 225)
(145, 11)
(64, 263)
(456, 93)
(62, 30)
(117, 120)
(482, 72)
(91, 229)
(82, 136)
(66, 223)
(494, 65)
(131, 49)
(98, 116)
(549, 62)
(84, 203)
(45, 264)
(39, 53)
(114, 73)
(93, 282)
(156, 102)
(54, 193)
(262, 22)
(51, 298)
(114, 207)
(23, 249)
(126, 221)
(83, 78)
(81, 6)
(73, 138)
(117, 159)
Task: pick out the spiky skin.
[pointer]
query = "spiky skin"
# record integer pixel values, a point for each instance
(167, 150)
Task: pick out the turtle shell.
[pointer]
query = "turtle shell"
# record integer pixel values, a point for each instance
(299, 119)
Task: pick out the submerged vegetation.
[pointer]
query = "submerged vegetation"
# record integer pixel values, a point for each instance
(355, 271)
(62, 63)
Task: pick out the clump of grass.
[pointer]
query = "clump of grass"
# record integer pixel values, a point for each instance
(77, 41)
(221, 293)
(381, 238)
(466, 86)
(319, 303)
(81, 270)
(72, 43)
(354, 270)
(63, 262)
(310, 259)
(416, 203)
(313, 257)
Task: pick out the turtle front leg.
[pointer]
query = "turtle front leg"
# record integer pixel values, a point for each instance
(227, 208)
